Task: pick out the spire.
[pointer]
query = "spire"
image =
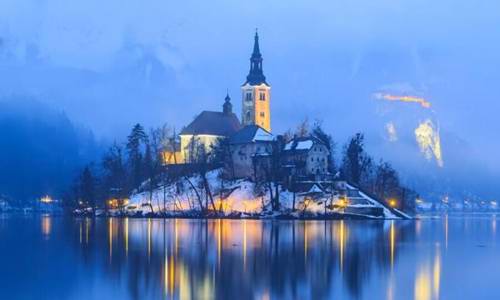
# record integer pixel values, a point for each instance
(227, 108)
(256, 49)
(256, 75)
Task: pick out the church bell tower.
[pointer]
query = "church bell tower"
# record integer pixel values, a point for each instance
(256, 94)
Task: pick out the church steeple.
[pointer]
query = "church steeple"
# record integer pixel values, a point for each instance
(227, 108)
(256, 75)
(256, 93)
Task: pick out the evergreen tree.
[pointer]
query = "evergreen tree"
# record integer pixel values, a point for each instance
(114, 174)
(135, 143)
(386, 183)
(356, 164)
(87, 187)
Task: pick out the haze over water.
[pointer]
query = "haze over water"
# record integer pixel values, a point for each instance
(58, 258)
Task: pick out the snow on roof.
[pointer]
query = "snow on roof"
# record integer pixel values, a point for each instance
(262, 135)
(251, 134)
(299, 145)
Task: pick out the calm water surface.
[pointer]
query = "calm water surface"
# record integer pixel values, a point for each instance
(45, 257)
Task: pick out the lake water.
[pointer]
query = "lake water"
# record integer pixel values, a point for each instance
(45, 257)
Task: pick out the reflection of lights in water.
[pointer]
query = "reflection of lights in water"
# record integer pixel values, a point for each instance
(342, 237)
(219, 241)
(494, 225)
(165, 272)
(184, 286)
(110, 237)
(390, 288)
(305, 240)
(171, 274)
(149, 238)
(429, 141)
(176, 236)
(244, 245)
(81, 233)
(125, 232)
(392, 242)
(427, 282)
(206, 290)
(46, 226)
(391, 132)
(437, 274)
(87, 229)
(265, 295)
(423, 284)
(418, 227)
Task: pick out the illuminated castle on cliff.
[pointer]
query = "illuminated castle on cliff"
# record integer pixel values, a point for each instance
(209, 126)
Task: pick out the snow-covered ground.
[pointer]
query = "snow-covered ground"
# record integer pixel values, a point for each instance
(243, 197)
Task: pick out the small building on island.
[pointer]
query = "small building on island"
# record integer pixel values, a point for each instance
(247, 146)
(305, 156)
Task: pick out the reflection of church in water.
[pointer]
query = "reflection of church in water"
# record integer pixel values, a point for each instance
(209, 126)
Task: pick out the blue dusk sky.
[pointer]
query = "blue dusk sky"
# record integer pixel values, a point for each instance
(110, 64)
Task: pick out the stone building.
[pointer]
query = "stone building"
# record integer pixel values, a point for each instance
(306, 156)
(247, 146)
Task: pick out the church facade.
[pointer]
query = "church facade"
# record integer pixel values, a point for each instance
(209, 126)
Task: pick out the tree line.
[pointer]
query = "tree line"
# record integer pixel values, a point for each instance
(133, 166)
(137, 166)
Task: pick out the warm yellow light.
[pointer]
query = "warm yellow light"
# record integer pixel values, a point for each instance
(113, 203)
(46, 199)
(342, 202)
(393, 202)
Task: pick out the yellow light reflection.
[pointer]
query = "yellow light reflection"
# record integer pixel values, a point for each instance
(423, 284)
(305, 240)
(219, 241)
(149, 239)
(184, 286)
(392, 242)
(176, 237)
(110, 237)
(46, 226)
(342, 237)
(87, 227)
(436, 274)
(125, 232)
(244, 245)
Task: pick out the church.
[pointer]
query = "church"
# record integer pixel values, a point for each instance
(209, 126)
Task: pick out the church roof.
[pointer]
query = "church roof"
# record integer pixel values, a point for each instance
(213, 123)
(250, 134)
(256, 74)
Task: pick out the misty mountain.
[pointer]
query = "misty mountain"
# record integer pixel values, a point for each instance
(40, 149)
